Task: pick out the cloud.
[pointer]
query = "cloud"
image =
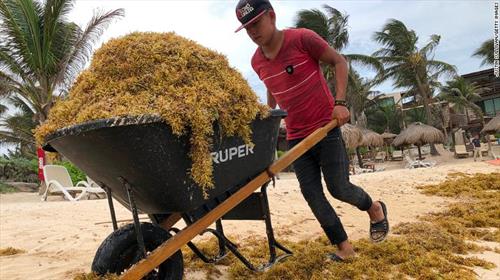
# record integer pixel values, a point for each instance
(212, 23)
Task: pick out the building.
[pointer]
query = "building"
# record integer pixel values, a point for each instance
(490, 100)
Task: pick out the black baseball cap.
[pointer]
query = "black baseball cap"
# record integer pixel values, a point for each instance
(248, 11)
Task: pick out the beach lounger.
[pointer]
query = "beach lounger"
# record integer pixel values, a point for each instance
(484, 149)
(461, 151)
(380, 156)
(397, 155)
(410, 163)
(59, 182)
(94, 188)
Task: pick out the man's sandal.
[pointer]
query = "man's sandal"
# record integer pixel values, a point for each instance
(334, 257)
(379, 230)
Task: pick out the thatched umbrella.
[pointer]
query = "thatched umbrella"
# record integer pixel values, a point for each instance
(492, 126)
(371, 138)
(388, 135)
(418, 134)
(352, 135)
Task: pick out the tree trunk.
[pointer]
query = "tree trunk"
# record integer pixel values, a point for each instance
(425, 92)
(360, 160)
(445, 135)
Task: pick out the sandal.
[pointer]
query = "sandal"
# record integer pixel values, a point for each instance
(334, 257)
(380, 227)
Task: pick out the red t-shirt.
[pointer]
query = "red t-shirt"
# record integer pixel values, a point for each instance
(296, 81)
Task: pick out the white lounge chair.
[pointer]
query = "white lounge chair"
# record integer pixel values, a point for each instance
(94, 188)
(59, 182)
(461, 151)
(397, 155)
(484, 149)
(380, 156)
(410, 163)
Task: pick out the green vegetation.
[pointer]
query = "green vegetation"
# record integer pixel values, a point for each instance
(41, 52)
(4, 188)
(18, 169)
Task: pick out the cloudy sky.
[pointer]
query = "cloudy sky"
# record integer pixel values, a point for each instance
(463, 26)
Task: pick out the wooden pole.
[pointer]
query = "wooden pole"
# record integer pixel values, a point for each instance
(169, 247)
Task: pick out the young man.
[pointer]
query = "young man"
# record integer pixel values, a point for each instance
(287, 61)
(476, 143)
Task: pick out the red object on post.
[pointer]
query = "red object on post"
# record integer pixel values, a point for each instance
(41, 162)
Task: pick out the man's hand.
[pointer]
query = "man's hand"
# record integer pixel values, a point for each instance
(341, 113)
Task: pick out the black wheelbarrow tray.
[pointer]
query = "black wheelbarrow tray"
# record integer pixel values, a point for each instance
(141, 164)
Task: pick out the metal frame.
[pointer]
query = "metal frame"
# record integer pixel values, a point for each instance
(223, 242)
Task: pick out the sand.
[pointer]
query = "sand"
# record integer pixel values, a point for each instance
(60, 237)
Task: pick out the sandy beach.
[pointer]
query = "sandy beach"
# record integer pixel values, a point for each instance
(60, 237)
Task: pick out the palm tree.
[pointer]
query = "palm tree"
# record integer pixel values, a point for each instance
(485, 52)
(41, 51)
(384, 117)
(463, 95)
(410, 67)
(333, 28)
(360, 95)
(17, 128)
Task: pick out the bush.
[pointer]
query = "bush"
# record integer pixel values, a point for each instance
(4, 188)
(18, 169)
(75, 173)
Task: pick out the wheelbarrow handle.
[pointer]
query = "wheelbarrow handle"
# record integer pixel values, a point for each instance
(169, 247)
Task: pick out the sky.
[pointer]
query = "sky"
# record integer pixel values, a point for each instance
(462, 24)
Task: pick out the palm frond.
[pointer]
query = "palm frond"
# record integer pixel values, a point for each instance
(83, 45)
(316, 21)
(486, 52)
(429, 48)
(366, 60)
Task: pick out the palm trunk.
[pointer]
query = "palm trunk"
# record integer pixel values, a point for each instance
(360, 160)
(425, 92)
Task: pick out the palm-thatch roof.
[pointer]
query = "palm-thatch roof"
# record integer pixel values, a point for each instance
(371, 138)
(388, 135)
(352, 135)
(418, 134)
(492, 126)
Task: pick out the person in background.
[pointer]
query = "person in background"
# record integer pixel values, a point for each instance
(476, 143)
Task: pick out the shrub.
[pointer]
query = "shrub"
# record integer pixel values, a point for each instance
(4, 188)
(18, 169)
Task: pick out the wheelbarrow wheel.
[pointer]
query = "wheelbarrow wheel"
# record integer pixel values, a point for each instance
(119, 251)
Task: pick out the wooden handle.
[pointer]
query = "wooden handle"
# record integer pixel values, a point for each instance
(169, 247)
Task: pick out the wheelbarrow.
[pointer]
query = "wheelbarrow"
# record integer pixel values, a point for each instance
(144, 166)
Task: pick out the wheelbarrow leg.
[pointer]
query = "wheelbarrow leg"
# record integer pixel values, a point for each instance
(111, 206)
(135, 214)
(270, 232)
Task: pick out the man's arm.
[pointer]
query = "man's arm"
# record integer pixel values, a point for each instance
(338, 62)
(270, 100)
(334, 59)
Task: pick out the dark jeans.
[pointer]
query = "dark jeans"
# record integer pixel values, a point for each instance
(328, 156)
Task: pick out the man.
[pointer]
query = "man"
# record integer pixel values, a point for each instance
(477, 147)
(287, 61)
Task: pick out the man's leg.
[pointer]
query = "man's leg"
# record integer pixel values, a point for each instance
(335, 167)
(308, 173)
